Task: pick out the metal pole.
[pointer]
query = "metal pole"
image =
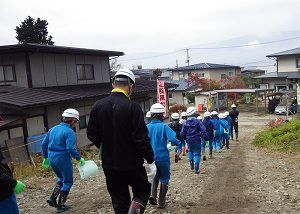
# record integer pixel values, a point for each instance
(265, 94)
(256, 102)
(287, 101)
(218, 101)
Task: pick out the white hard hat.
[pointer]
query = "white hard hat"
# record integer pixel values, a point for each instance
(148, 114)
(214, 113)
(199, 117)
(175, 116)
(71, 113)
(221, 116)
(183, 114)
(206, 114)
(233, 106)
(124, 72)
(226, 113)
(157, 108)
(190, 111)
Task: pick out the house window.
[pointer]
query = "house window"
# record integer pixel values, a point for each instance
(297, 63)
(7, 73)
(223, 76)
(230, 73)
(82, 122)
(170, 96)
(85, 72)
(180, 75)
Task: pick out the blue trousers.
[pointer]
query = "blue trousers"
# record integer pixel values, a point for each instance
(62, 166)
(9, 205)
(195, 155)
(163, 171)
(217, 143)
(210, 145)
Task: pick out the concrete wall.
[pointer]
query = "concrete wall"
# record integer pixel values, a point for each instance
(60, 69)
(287, 64)
(3, 137)
(279, 83)
(177, 97)
(18, 60)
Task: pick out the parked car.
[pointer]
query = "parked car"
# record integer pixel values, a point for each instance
(280, 109)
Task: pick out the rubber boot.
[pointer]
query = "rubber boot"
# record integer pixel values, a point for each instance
(196, 171)
(61, 202)
(52, 200)
(210, 154)
(203, 154)
(153, 196)
(183, 150)
(192, 164)
(176, 157)
(227, 144)
(136, 207)
(236, 136)
(162, 195)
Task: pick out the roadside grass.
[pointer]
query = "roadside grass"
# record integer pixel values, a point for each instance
(283, 138)
(26, 170)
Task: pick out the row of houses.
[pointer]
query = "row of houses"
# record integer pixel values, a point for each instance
(38, 82)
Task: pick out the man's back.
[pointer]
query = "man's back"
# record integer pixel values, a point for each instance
(118, 125)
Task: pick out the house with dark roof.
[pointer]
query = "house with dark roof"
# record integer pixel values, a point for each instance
(38, 82)
(248, 73)
(177, 94)
(287, 72)
(206, 70)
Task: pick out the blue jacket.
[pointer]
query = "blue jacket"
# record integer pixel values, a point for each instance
(229, 120)
(60, 138)
(209, 128)
(224, 125)
(193, 130)
(159, 134)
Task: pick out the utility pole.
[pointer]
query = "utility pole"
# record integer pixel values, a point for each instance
(176, 63)
(187, 57)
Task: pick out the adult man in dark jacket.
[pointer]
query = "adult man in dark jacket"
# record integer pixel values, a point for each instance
(117, 125)
(234, 114)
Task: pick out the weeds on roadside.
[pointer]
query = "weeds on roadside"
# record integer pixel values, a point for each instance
(284, 137)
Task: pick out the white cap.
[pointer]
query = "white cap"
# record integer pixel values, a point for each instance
(175, 116)
(148, 114)
(71, 113)
(206, 114)
(157, 108)
(183, 114)
(199, 117)
(124, 72)
(226, 113)
(190, 111)
(233, 106)
(214, 113)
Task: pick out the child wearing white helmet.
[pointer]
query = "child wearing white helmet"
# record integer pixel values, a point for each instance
(224, 130)
(234, 114)
(176, 127)
(182, 121)
(217, 134)
(210, 132)
(58, 148)
(159, 134)
(148, 117)
(192, 131)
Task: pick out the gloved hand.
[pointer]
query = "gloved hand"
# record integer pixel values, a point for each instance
(81, 161)
(226, 131)
(19, 187)
(46, 163)
(207, 142)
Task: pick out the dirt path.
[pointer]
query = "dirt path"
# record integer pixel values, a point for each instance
(240, 180)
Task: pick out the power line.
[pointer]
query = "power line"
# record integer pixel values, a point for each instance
(210, 48)
(249, 45)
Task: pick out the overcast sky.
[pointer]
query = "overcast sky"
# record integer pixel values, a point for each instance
(142, 28)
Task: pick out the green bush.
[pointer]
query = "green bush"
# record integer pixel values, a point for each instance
(284, 138)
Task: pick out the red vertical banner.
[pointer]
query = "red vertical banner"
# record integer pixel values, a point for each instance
(161, 94)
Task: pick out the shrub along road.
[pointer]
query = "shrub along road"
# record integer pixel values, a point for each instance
(240, 180)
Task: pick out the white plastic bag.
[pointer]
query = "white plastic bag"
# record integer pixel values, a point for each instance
(151, 171)
(89, 169)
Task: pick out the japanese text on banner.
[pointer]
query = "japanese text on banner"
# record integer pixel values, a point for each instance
(161, 94)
